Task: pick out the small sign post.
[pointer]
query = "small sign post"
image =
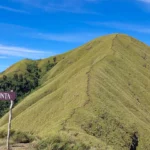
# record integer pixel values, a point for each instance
(10, 96)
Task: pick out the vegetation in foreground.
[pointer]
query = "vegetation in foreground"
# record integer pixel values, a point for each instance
(53, 143)
(58, 143)
(18, 137)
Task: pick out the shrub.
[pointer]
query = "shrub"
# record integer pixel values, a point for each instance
(17, 137)
(3, 133)
(20, 137)
(60, 144)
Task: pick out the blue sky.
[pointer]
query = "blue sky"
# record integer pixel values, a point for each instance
(40, 28)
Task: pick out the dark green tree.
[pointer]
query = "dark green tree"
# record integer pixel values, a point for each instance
(4, 77)
(20, 77)
(16, 76)
(54, 59)
(21, 84)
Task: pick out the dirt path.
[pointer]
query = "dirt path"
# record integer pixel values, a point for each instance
(19, 147)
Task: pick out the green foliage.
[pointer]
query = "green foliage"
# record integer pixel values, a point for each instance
(17, 137)
(21, 84)
(4, 77)
(57, 143)
(15, 77)
(3, 134)
(55, 59)
(49, 66)
(20, 137)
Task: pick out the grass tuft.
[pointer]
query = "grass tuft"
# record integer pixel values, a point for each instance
(18, 137)
(58, 143)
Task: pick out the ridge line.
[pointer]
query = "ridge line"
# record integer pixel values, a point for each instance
(88, 95)
(87, 89)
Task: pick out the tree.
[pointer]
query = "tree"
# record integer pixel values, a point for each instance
(4, 77)
(54, 59)
(20, 77)
(16, 76)
(29, 68)
(23, 84)
(49, 66)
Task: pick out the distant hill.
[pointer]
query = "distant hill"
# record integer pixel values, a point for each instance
(97, 95)
(21, 66)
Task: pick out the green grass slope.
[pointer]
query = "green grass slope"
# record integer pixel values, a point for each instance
(97, 94)
(19, 68)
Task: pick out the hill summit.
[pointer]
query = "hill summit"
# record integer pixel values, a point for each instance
(97, 94)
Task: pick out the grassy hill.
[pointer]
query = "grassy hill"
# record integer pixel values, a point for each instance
(96, 95)
(21, 66)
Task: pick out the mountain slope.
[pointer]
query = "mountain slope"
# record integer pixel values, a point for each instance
(97, 94)
(19, 68)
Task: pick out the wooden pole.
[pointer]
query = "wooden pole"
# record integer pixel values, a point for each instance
(9, 123)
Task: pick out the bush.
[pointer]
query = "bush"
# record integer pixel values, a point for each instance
(3, 134)
(59, 144)
(20, 137)
(17, 137)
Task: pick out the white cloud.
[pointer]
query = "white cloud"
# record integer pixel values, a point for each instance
(12, 9)
(68, 37)
(91, 1)
(11, 51)
(72, 6)
(145, 1)
(123, 26)
(3, 57)
(144, 5)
